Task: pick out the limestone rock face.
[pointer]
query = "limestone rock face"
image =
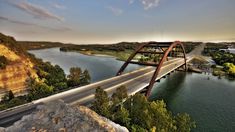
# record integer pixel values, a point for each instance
(14, 77)
(57, 116)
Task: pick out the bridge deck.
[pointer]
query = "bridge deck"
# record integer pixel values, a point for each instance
(134, 81)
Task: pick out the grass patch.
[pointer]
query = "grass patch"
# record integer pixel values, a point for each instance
(218, 71)
(119, 55)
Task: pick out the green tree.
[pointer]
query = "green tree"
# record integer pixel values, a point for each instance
(101, 103)
(8, 96)
(122, 116)
(136, 128)
(52, 75)
(60, 85)
(230, 69)
(162, 119)
(56, 77)
(39, 90)
(184, 123)
(138, 114)
(86, 79)
(119, 95)
(15, 102)
(137, 106)
(154, 116)
(74, 76)
(11, 95)
(221, 57)
(3, 62)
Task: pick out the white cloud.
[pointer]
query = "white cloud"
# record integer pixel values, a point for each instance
(59, 6)
(150, 3)
(115, 11)
(35, 10)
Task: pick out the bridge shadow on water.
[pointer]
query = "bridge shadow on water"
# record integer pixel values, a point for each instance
(168, 87)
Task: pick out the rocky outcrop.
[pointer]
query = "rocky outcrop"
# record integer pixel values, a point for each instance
(15, 75)
(57, 116)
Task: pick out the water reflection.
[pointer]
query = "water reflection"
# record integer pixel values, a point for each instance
(167, 88)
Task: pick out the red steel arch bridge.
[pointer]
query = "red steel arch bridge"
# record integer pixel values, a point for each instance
(156, 54)
(160, 59)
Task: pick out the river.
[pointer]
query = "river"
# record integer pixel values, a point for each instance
(210, 102)
(100, 68)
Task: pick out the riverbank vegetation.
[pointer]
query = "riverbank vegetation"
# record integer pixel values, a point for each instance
(9, 100)
(51, 80)
(214, 47)
(226, 62)
(230, 69)
(138, 114)
(120, 50)
(35, 45)
(77, 77)
(221, 57)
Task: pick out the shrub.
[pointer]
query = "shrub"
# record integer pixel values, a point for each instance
(3, 62)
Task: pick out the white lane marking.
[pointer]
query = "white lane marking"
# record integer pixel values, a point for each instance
(89, 87)
(89, 97)
(86, 87)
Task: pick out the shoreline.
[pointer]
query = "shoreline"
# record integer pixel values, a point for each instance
(102, 55)
(96, 54)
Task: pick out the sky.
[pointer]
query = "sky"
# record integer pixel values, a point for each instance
(112, 21)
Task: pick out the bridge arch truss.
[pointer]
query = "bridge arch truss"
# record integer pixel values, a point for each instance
(159, 52)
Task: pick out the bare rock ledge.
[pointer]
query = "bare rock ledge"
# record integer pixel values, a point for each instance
(57, 116)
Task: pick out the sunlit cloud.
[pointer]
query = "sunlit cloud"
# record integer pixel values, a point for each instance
(115, 11)
(34, 10)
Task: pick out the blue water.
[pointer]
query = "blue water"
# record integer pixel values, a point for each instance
(211, 103)
(100, 68)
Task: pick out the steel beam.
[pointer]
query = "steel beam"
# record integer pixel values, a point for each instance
(171, 50)
(143, 63)
(150, 52)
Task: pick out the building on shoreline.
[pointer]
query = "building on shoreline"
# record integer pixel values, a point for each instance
(229, 50)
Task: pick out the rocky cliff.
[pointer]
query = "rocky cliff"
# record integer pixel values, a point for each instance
(18, 70)
(57, 116)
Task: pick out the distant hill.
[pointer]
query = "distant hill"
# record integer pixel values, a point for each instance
(34, 45)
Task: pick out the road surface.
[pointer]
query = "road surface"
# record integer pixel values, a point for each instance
(134, 81)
